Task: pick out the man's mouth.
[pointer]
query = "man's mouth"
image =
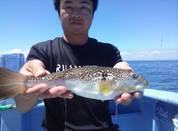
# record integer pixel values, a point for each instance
(76, 22)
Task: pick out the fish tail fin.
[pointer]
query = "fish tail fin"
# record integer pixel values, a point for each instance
(11, 83)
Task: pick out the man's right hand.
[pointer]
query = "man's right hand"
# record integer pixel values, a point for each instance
(36, 68)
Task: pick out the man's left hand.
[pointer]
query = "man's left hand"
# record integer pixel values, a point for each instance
(126, 98)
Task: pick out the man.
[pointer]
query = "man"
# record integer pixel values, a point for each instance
(75, 48)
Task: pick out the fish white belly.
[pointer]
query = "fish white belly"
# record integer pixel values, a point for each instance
(88, 89)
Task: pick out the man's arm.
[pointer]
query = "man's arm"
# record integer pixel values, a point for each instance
(26, 102)
(30, 97)
(126, 98)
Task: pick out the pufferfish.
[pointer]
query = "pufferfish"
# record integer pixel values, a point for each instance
(95, 82)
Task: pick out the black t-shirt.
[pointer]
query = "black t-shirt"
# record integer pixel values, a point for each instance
(78, 113)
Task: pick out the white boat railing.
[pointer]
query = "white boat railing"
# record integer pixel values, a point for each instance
(165, 96)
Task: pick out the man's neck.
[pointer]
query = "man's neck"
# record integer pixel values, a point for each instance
(76, 39)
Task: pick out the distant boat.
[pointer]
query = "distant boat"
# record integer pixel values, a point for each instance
(156, 111)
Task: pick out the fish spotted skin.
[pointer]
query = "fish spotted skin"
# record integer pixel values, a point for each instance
(101, 83)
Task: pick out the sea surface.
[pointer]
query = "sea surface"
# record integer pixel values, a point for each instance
(162, 75)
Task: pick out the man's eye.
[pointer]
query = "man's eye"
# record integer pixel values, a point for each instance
(68, 7)
(85, 9)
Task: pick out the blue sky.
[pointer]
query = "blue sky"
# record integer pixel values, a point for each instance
(141, 29)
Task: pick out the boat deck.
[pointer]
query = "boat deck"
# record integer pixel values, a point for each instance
(154, 112)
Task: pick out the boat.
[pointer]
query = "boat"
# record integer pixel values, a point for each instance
(156, 111)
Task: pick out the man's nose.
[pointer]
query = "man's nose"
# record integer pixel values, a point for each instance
(76, 13)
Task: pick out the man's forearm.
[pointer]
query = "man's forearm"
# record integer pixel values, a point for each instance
(25, 103)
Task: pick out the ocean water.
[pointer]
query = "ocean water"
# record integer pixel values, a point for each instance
(162, 75)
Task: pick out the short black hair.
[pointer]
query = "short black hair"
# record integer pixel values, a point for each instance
(57, 5)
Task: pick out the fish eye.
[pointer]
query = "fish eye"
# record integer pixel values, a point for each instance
(134, 76)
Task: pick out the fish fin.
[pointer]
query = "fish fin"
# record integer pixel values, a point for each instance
(24, 103)
(11, 83)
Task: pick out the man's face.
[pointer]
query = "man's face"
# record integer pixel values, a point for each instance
(76, 16)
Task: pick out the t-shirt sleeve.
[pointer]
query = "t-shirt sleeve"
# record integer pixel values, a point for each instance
(115, 55)
(109, 54)
(38, 51)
